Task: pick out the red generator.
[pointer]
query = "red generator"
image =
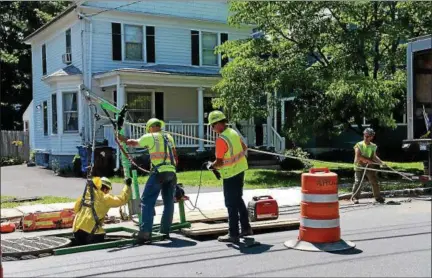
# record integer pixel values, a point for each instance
(263, 208)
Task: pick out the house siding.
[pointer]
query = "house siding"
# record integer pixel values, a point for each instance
(216, 10)
(55, 48)
(173, 44)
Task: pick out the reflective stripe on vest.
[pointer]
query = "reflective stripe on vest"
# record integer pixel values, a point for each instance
(160, 154)
(234, 161)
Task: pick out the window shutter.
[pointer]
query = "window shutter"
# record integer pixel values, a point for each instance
(195, 38)
(159, 105)
(223, 38)
(116, 41)
(150, 44)
(115, 97)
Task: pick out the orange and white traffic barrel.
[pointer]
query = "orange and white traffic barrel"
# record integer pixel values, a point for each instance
(319, 213)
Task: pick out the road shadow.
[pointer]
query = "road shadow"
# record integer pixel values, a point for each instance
(252, 250)
(175, 243)
(352, 251)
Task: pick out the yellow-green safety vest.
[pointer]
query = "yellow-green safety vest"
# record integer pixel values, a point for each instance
(234, 161)
(365, 150)
(161, 155)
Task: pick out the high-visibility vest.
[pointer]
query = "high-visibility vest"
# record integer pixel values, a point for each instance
(234, 161)
(161, 153)
(365, 150)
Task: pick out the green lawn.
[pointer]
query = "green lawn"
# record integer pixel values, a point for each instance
(257, 178)
(44, 200)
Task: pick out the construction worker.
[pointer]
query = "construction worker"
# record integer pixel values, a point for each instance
(86, 228)
(232, 163)
(163, 177)
(365, 155)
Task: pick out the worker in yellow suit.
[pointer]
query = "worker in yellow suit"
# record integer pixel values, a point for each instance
(91, 208)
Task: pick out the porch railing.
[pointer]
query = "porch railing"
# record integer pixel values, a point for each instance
(189, 129)
(276, 141)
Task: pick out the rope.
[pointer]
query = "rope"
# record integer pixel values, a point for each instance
(404, 175)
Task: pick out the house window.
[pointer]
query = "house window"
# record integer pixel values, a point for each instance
(54, 114)
(44, 61)
(134, 42)
(68, 44)
(45, 117)
(70, 112)
(139, 106)
(26, 125)
(208, 45)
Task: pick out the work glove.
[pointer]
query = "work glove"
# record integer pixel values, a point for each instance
(128, 181)
(209, 165)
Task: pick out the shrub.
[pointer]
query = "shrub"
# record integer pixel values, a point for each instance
(295, 164)
(9, 160)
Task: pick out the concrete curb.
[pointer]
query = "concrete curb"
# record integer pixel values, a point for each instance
(392, 193)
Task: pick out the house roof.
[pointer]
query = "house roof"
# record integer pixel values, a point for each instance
(170, 69)
(49, 23)
(67, 71)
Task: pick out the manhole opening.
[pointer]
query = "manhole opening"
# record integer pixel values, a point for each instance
(39, 247)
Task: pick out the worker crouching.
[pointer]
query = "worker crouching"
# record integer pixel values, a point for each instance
(91, 209)
(232, 163)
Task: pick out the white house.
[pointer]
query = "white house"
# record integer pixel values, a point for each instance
(156, 56)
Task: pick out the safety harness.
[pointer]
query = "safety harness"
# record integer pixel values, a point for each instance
(167, 149)
(91, 187)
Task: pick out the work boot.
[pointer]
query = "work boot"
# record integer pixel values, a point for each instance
(229, 238)
(247, 232)
(380, 200)
(143, 238)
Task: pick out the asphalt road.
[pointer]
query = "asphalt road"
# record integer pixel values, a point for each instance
(391, 241)
(23, 181)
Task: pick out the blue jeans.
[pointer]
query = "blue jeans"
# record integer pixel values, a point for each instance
(237, 211)
(157, 182)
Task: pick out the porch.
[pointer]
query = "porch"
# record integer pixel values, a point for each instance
(179, 95)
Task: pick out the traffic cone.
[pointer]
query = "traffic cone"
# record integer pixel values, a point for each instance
(319, 216)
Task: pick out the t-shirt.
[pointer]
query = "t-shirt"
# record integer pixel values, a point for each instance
(221, 148)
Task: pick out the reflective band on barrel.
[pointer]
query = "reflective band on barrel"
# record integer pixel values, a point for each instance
(320, 198)
(310, 223)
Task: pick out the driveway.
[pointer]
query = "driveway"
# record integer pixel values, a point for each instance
(391, 241)
(23, 181)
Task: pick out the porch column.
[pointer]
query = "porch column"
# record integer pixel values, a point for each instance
(269, 121)
(282, 113)
(275, 112)
(201, 118)
(120, 102)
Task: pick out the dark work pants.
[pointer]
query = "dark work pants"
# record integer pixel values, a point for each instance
(157, 182)
(237, 211)
(83, 238)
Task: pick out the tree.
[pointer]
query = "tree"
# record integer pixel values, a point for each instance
(18, 20)
(344, 61)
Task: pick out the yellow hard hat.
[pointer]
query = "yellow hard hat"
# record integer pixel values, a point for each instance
(105, 181)
(215, 116)
(153, 121)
